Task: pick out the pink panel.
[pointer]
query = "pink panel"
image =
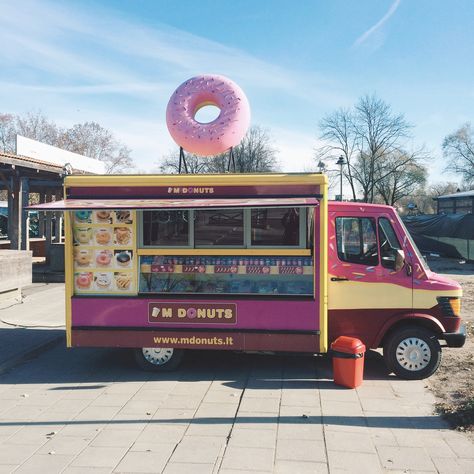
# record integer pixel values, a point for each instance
(251, 314)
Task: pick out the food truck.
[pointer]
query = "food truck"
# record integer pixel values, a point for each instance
(257, 262)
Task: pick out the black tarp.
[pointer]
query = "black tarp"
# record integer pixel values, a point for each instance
(425, 231)
(459, 226)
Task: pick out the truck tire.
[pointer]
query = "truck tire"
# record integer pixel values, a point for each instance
(158, 359)
(412, 353)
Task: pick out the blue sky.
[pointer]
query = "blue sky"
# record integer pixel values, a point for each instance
(118, 62)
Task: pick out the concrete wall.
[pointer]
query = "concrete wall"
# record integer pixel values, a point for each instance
(15, 269)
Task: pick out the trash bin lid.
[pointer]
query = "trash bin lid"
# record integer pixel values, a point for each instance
(348, 345)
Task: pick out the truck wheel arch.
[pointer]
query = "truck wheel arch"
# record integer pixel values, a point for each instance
(412, 319)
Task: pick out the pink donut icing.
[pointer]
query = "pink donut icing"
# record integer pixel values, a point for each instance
(215, 137)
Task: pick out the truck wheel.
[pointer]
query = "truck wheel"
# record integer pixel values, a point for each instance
(158, 359)
(412, 353)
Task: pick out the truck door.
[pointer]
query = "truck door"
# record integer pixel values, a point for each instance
(370, 278)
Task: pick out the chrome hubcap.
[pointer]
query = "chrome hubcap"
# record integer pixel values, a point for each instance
(413, 354)
(156, 355)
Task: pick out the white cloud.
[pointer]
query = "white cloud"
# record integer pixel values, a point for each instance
(368, 33)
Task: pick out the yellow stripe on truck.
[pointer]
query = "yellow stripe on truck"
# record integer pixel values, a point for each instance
(368, 295)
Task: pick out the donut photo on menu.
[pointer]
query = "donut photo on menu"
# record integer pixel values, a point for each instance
(123, 217)
(123, 258)
(123, 235)
(82, 235)
(82, 257)
(83, 281)
(103, 236)
(83, 217)
(103, 217)
(103, 258)
(123, 280)
(103, 281)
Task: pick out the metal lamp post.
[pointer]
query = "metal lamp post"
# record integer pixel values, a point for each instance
(341, 163)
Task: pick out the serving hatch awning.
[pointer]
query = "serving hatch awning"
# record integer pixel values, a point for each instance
(79, 204)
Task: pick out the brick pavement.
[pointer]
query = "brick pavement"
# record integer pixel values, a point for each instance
(92, 411)
(83, 410)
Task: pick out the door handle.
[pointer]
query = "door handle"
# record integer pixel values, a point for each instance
(339, 279)
(409, 269)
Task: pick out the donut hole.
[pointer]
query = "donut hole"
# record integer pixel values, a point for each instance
(206, 112)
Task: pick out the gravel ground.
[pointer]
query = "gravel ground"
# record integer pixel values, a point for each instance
(453, 383)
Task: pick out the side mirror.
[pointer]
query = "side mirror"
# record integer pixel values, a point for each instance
(399, 260)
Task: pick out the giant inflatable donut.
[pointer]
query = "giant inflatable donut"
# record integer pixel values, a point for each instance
(215, 137)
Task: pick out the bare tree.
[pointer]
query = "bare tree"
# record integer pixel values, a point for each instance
(402, 174)
(365, 136)
(88, 139)
(254, 154)
(459, 149)
(337, 128)
(7, 133)
(92, 140)
(36, 126)
(195, 164)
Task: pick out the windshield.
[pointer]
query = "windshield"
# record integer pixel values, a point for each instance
(422, 260)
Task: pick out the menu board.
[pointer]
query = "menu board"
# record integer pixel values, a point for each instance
(104, 252)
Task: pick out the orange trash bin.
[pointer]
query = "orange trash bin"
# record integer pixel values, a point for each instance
(348, 361)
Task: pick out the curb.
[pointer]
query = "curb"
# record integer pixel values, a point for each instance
(18, 359)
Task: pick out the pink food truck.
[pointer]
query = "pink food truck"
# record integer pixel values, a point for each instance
(162, 264)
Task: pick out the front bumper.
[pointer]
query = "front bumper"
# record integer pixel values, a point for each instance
(455, 339)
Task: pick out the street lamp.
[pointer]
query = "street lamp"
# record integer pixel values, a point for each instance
(341, 163)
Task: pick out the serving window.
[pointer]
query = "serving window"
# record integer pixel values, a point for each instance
(225, 228)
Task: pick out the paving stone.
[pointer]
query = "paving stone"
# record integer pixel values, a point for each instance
(336, 408)
(355, 463)
(15, 453)
(297, 467)
(174, 415)
(151, 446)
(384, 405)
(382, 437)
(248, 459)
(135, 462)
(111, 400)
(448, 466)
(70, 406)
(122, 421)
(99, 457)
(213, 411)
(460, 445)
(45, 463)
(307, 431)
(32, 435)
(222, 396)
(115, 438)
(159, 433)
(349, 442)
(301, 450)
(303, 412)
(83, 430)
(414, 459)
(7, 468)
(257, 420)
(252, 438)
(64, 445)
(187, 468)
(217, 428)
(95, 414)
(193, 449)
(259, 405)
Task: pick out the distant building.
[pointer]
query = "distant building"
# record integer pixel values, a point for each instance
(457, 203)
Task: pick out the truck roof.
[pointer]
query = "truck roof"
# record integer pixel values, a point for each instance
(351, 206)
